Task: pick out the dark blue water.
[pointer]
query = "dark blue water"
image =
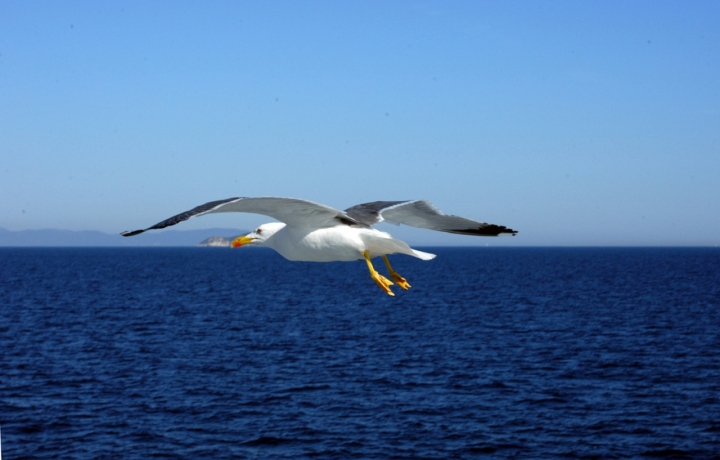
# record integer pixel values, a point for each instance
(499, 353)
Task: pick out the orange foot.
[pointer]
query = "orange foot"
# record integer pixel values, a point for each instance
(383, 282)
(400, 281)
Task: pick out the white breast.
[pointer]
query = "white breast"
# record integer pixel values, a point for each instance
(334, 244)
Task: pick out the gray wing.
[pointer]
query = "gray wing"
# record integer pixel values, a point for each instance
(294, 212)
(422, 214)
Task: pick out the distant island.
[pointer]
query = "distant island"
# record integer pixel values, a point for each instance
(217, 242)
(211, 237)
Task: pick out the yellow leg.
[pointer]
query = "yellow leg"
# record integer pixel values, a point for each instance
(380, 280)
(402, 282)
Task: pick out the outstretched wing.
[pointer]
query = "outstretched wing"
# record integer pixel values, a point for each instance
(294, 212)
(422, 214)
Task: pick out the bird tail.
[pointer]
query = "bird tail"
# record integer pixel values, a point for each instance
(423, 255)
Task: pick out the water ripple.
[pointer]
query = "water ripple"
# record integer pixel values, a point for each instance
(499, 353)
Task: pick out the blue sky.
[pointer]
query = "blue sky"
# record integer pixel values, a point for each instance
(577, 123)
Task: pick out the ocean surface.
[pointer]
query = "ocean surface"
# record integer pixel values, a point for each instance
(209, 353)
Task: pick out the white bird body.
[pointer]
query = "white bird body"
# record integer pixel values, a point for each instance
(314, 232)
(333, 244)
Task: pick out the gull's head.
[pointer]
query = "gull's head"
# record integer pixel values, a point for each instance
(259, 236)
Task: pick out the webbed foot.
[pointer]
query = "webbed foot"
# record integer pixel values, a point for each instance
(380, 280)
(383, 282)
(402, 282)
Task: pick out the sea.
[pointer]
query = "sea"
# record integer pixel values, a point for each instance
(211, 353)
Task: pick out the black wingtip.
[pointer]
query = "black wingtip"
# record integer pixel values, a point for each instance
(133, 233)
(486, 230)
(498, 230)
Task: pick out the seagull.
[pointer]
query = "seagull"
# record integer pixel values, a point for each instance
(313, 232)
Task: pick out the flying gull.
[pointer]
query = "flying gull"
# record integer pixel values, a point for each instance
(313, 232)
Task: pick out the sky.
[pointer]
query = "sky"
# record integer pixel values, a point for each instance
(577, 123)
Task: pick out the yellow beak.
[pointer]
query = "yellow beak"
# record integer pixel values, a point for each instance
(241, 241)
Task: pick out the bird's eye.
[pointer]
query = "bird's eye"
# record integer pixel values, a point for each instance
(259, 230)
